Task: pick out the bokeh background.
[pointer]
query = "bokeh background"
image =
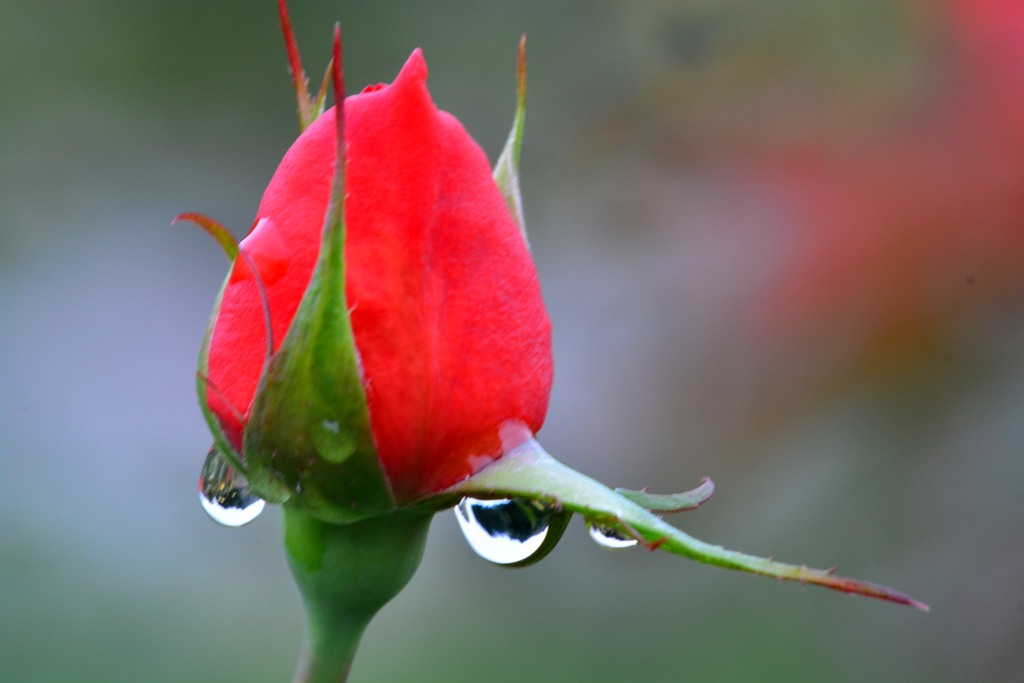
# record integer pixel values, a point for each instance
(782, 245)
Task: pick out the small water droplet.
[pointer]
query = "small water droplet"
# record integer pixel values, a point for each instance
(503, 531)
(610, 537)
(224, 492)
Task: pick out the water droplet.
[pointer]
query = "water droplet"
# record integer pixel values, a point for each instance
(610, 537)
(504, 531)
(224, 492)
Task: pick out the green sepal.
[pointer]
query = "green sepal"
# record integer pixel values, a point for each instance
(220, 439)
(308, 438)
(229, 246)
(320, 102)
(672, 502)
(506, 170)
(529, 472)
(309, 108)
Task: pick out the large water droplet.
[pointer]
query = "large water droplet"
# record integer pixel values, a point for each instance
(504, 531)
(610, 537)
(224, 492)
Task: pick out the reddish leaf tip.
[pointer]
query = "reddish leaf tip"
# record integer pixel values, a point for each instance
(828, 579)
(214, 229)
(338, 78)
(337, 72)
(306, 115)
(521, 63)
(188, 217)
(294, 59)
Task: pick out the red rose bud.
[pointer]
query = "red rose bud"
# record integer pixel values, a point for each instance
(381, 343)
(409, 346)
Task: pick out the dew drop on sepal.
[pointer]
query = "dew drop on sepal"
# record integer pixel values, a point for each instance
(504, 531)
(610, 537)
(224, 492)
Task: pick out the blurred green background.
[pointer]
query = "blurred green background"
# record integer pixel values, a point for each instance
(782, 245)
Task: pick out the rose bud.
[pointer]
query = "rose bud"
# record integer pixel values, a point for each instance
(409, 351)
(381, 346)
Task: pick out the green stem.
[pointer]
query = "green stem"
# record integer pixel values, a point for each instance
(346, 573)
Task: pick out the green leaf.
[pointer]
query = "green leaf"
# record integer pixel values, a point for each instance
(529, 472)
(233, 251)
(506, 170)
(672, 502)
(220, 439)
(318, 104)
(308, 439)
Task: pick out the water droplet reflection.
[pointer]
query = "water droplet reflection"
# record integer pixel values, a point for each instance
(504, 531)
(224, 492)
(610, 537)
